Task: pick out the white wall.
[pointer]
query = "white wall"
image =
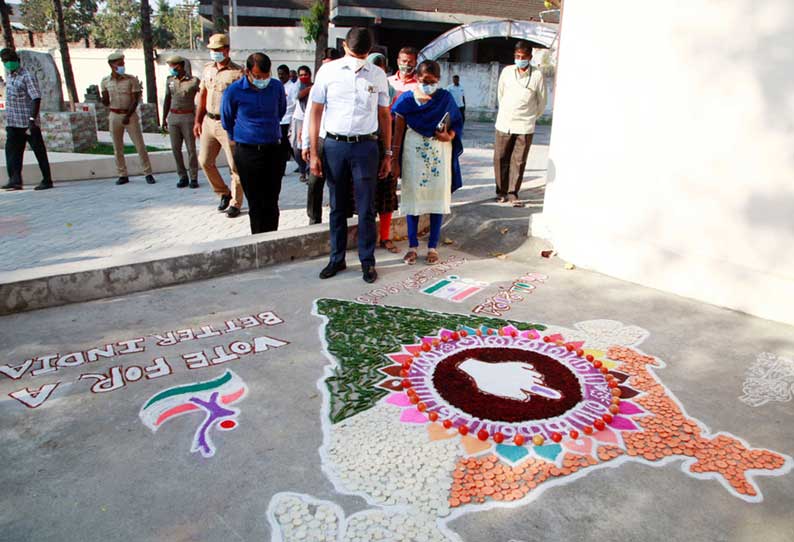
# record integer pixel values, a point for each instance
(672, 152)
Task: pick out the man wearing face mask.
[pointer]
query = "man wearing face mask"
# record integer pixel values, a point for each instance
(250, 112)
(301, 103)
(355, 97)
(405, 78)
(178, 113)
(522, 99)
(217, 76)
(23, 99)
(121, 93)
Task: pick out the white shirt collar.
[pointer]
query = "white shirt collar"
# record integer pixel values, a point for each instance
(350, 62)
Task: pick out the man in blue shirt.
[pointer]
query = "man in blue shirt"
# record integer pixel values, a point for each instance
(251, 110)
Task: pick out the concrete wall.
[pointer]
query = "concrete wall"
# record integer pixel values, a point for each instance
(672, 153)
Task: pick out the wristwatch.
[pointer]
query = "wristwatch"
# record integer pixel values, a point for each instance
(388, 152)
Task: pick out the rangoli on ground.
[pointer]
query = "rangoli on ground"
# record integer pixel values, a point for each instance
(479, 412)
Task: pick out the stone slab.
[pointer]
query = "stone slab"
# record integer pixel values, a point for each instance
(48, 286)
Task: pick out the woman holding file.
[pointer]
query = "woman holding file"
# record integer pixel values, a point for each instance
(426, 148)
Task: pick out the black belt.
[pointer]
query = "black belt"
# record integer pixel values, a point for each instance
(353, 138)
(213, 116)
(257, 147)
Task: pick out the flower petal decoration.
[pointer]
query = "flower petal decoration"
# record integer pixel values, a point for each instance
(511, 453)
(623, 424)
(548, 451)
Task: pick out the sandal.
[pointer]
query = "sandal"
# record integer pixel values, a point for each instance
(518, 203)
(410, 257)
(388, 245)
(432, 257)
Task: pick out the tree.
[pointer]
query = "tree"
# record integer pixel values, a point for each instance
(78, 17)
(218, 21)
(148, 52)
(316, 27)
(66, 60)
(162, 31)
(118, 25)
(8, 33)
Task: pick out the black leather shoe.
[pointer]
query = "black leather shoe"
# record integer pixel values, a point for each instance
(122, 180)
(194, 183)
(224, 204)
(370, 275)
(332, 269)
(182, 183)
(150, 179)
(233, 212)
(10, 186)
(43, 185)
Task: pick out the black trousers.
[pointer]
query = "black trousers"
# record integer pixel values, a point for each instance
(286, 148)
(261, 168)
(314, 195)
(463, 113)
(16, 139)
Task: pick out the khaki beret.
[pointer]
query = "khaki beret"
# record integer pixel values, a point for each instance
(218, 41)
(175, 59)
(112, 57)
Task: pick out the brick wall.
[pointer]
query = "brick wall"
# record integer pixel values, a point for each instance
(63, 131)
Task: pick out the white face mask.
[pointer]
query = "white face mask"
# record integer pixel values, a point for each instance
(216, 56)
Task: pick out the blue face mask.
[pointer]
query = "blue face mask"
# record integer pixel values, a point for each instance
(429, 89)
(120, 70)
(260, 83)
(174, 72)
(523, 63)
(216, 56)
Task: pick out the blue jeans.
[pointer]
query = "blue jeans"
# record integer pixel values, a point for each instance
(435, 230)
(341, 162)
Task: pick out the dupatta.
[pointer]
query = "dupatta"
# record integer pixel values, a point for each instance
(424, 119)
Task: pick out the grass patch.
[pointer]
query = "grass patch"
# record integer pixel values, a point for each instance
(107, 148)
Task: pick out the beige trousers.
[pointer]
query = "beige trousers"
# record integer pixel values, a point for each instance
(213, 139)
(180, 130)
(133, 128)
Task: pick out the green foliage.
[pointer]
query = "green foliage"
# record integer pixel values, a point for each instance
(359, 337)
(174, 27)
(312, 24)
(118, 25)
(78, 16)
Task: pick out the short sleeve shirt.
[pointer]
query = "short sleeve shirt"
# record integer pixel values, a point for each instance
(216, 81)
(121, 89)
(21, 89)
(183, 92)
(351, 97)
(457, 93)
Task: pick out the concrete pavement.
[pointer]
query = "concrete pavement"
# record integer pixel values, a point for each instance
(90, 220)
(85, 458)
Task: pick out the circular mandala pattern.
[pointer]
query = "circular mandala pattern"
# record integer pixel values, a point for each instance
(460, 389)
(507, 386)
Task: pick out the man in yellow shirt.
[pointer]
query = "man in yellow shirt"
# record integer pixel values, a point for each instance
(522, 99)
(216, 77)
(179, 109)
(121, 93)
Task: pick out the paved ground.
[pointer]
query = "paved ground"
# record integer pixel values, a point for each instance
(86, 466)
(88, 220)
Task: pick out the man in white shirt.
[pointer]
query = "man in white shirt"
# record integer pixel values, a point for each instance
(291, 90)
(522, 99)
(355, 97)
(456, 89)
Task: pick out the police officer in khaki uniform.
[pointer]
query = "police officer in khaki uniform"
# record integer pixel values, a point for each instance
(216, 77)
(179, 111)
(121, 93)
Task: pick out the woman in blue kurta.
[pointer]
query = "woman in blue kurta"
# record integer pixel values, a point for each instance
(425, 158)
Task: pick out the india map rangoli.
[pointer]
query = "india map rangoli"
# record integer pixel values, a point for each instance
(480, 413)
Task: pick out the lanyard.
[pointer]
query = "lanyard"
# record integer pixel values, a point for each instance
(529, 77)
